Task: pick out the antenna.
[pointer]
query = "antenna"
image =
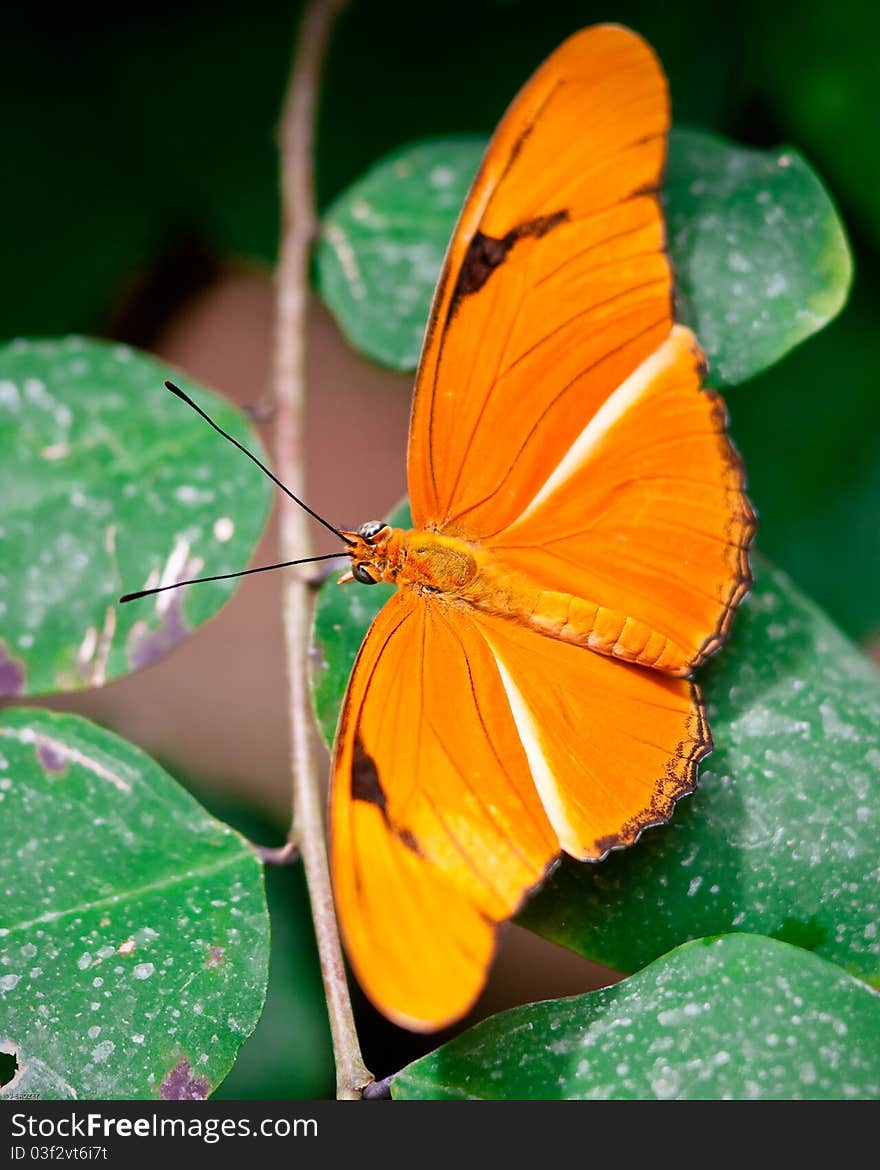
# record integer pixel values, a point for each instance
(226, 576)
(186, 398)
(261, 568)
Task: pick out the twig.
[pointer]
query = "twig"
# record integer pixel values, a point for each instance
(379, 1090)
(277, 855)
(298, 229)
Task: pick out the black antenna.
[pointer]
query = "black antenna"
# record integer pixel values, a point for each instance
(227, 576)
(186, 398)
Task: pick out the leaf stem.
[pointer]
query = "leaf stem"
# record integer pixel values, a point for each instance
(298, 231)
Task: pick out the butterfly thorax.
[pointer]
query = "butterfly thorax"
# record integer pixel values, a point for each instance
(418, 558)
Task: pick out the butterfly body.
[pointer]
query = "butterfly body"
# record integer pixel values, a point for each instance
(580, 544)
(455, 570)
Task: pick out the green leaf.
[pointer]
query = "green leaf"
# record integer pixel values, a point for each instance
(133, 931)
(109, 482)
(780, 837)
(761, 259)
(382, 244)
(735, 1017)
(342, 618)
(290, 1055)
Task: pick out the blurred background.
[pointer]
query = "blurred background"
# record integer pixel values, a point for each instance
(138, 199)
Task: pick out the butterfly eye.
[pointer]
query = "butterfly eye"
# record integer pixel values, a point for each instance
(360, 573)
(369, 528)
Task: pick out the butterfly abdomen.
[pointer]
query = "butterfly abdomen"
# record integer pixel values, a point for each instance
(607, 631)
(574, 619)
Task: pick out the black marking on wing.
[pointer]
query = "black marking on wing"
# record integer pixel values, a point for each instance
(365, 782)
(486, 253)
(367, 786)
(405, 837)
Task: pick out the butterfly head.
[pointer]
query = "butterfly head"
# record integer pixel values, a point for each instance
(370, 549)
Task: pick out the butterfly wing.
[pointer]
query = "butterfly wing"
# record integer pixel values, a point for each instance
(647, 516)
(558, 415)
(436, 827)
(471, 751)
(555, 287)
(611, 747)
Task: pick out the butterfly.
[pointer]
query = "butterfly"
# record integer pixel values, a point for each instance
(580, 543)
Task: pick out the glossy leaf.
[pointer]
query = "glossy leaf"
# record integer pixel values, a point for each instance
(110, 483)
(289, 1056)
(735, 1017)
(134, 937)
(382, 243)
(780, 837)
(760, 257)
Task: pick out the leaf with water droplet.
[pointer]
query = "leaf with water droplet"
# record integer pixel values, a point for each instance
(110, 485)
(813, 461)
(290, 1054)
(134, 937)
(736, 1017)
(760, 256)
(382, 243)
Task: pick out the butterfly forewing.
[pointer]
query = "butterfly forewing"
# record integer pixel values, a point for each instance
(555, 287)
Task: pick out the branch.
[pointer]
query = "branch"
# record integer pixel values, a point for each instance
(298, 231)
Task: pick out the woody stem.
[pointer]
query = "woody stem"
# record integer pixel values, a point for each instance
(298, 229)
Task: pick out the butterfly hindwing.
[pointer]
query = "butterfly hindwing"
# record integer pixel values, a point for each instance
(611, 747)
(646, 517)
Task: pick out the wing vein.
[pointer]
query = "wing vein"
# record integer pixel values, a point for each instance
(634, 288)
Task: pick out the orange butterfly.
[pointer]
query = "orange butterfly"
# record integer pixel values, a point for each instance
(580, 544)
